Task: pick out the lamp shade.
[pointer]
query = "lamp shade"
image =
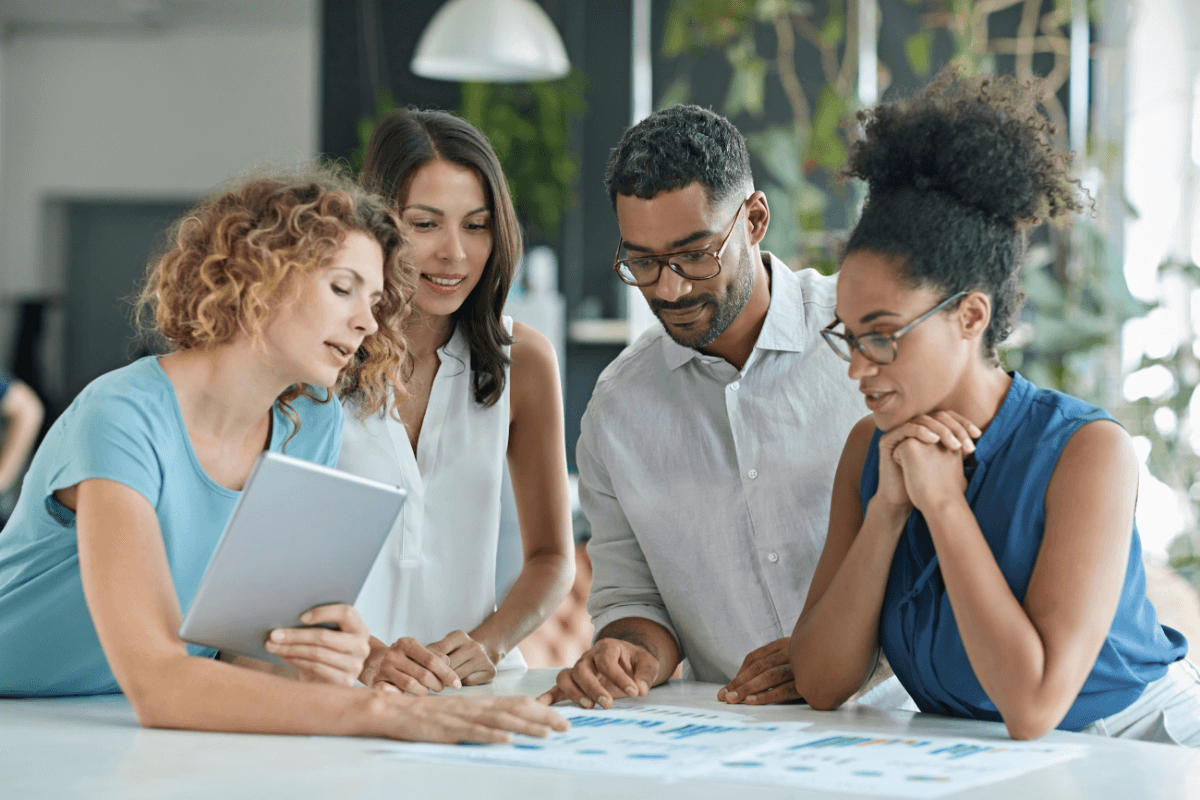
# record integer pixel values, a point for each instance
(499, 41)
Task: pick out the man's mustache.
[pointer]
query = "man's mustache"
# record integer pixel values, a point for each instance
(679, 305)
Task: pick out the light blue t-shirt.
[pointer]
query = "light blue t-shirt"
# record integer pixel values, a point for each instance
(125, 426)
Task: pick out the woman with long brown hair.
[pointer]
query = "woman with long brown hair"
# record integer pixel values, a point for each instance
(482, 390)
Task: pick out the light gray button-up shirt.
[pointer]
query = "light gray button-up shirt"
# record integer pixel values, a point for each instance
(708, 489)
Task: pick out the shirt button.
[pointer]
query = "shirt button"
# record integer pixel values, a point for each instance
(752, 474)
(772, 557)
(735, 386)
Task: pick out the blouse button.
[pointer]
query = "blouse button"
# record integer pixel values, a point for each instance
(772, 557)
(752, 474)
(735, 385)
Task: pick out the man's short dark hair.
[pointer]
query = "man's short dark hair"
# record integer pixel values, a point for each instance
(675, 147)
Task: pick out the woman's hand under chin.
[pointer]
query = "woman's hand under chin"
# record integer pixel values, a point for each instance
(928, 453)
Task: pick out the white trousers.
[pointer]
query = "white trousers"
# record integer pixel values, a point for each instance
(1168, 711)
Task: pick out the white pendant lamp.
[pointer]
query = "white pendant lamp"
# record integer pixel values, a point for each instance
(499, 41)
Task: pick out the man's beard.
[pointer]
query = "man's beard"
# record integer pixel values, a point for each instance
(726, 308)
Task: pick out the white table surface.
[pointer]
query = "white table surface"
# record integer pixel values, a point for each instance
(94, 748)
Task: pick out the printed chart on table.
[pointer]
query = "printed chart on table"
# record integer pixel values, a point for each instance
(670, 742)
(637, 740)
(909, 766)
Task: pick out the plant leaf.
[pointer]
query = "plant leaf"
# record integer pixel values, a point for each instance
(747, 88)
(919, 48)
(678, 92)
(780, 149)
(676, 35)
(782, 237)
(825, 145)
(809, 199)
(768, 10)
(1043, 292)
(833, 30)
(1055, 334)
(475, 96)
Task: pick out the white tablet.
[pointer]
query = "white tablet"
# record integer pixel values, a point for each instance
(301, 535)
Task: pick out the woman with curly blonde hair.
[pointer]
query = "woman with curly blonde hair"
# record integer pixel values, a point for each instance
(267, 294)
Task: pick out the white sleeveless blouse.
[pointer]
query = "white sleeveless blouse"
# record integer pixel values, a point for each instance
(436, 572)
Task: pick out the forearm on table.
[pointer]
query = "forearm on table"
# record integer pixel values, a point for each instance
(650, 636)
(541, 586)
(192, 693)
(1005, 649)
(835, 643)
(258, 665)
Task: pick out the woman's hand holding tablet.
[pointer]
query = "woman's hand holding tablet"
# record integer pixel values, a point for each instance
(322, 654)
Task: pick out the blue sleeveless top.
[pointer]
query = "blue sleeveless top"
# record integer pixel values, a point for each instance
(1006, 489)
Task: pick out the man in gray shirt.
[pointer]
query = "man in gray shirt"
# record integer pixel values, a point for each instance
(708, 449)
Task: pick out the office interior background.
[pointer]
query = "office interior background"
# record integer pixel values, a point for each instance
(116, 115)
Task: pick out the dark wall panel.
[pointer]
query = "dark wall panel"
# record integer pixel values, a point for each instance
(108, 245)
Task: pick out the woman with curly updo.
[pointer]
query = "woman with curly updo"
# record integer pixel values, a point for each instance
(266, 294)
(982, 529)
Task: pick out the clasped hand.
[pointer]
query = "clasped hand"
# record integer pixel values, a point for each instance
(408, 666)
(920, 462)
(321, 654)
(765, 677)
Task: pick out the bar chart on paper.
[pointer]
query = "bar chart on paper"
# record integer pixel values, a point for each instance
(638, 740)
(674, 742)
(915, 767)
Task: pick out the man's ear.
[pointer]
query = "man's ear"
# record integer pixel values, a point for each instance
(758, 217)
(974, 314)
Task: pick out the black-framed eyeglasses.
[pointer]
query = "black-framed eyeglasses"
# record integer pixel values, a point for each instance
(695, 265)
(879, 348)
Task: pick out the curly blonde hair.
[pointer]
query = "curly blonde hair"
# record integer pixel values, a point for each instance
(235, 257)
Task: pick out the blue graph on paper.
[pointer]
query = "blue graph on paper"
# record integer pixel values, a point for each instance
(644, 740)
(674, 742)
(899, 766)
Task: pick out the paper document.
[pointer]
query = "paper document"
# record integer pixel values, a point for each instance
(663, 742)
(672, 742)
(908, 766)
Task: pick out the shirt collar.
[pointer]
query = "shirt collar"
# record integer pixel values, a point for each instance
(783, 329)
(1002, 427)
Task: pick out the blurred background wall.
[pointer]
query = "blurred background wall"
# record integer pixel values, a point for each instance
(138, 108)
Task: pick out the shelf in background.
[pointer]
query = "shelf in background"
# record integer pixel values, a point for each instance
(598, 331)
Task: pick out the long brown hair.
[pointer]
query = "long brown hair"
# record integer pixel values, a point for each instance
(404, 141)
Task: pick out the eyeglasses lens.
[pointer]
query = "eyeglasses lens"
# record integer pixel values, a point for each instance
(839, 345)
(697, 266)
(877, 348)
